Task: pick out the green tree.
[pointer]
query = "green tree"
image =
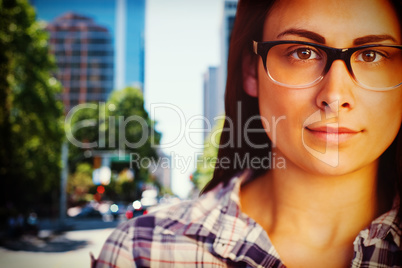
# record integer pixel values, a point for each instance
(79, 184)
(84, 129)
(121, 124)
(207, 161)
(30, 117)
(134, 130)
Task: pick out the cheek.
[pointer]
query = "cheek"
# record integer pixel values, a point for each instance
(275, 100)
(283, 111)
(385, 105)
(385, 114)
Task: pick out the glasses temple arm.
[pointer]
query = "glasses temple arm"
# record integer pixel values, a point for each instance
(255, 47)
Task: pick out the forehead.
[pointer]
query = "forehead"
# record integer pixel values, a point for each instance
(339, 21)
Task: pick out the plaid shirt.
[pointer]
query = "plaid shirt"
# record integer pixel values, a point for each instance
(213, 232)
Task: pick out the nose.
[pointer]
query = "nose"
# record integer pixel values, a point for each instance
(336, 92)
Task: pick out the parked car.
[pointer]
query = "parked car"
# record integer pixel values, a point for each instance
(134, 210)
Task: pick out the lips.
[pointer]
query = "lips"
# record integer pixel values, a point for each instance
(332, 130)
(331, 134)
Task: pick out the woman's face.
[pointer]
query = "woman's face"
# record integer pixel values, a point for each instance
(335, 127)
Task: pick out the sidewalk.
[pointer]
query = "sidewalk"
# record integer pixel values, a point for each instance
(78, 243)
(52, 235)
(76, 224)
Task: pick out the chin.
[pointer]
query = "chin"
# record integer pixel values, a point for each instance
(342, 168)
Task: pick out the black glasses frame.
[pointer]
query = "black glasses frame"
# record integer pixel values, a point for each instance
(333, 54)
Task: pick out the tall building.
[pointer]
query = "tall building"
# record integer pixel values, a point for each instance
(84, 57)
(212, 102)
(130, 43)
(99, 47)
(228, 18)
(215, 77)
(125, 21)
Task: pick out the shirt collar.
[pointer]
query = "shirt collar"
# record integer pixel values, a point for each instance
(240, 238)
(385, 227)
(232, 230)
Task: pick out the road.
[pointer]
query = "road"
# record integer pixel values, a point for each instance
(71, 249)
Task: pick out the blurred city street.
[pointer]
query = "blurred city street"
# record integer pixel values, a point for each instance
(68, 249)
(97, 119)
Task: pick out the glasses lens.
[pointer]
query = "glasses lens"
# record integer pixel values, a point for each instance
(295, 64)
(378, 67)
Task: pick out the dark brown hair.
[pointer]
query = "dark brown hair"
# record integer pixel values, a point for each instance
(250, 18)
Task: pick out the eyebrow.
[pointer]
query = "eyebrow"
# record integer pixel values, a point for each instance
(372, 39)
(304, 33)
(321, 40)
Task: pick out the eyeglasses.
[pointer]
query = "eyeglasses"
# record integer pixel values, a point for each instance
(298, 64)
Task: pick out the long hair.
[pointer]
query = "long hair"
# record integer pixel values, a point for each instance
(239, 107)
(248, 26)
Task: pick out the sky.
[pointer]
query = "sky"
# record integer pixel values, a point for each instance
(181, 41)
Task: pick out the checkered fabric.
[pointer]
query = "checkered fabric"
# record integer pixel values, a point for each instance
(213, 232)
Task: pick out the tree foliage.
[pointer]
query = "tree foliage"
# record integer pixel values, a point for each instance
(134, 130)
(30, 117)
(79, 184)
(121, 126)
(206, 163)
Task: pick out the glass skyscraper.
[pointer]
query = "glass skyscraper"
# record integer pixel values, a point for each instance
(215, 77)
(84, 57)
(128, 22)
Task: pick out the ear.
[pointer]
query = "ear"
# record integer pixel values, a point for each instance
(249, 66)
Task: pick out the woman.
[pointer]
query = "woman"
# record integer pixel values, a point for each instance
(324, 78)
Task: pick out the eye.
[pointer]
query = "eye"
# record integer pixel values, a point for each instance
(370, 56)
(305, 53)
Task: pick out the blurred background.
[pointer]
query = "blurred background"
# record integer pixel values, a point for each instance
(109, 109)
